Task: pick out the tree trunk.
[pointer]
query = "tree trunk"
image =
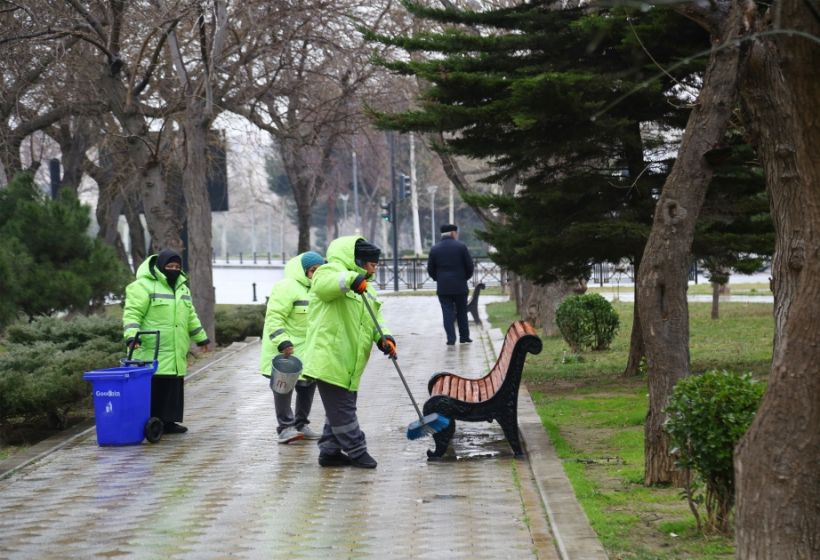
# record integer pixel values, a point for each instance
(637, 349)
(144, 171)
(74, 138)
(198, 215)
(159, 205)
(776, 463)
(662, 281)
(109, 206)
(715, 301)
(136, 234)
(542, 301)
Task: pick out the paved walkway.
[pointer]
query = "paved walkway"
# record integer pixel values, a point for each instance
(226, 489)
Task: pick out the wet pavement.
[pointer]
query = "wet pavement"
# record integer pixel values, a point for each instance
(226, 489)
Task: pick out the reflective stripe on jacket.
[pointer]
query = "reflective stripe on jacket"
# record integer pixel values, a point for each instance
(341, 332)
(287, 314)
(151, 304)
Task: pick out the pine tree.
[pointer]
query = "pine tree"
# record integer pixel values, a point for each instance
(48, 260)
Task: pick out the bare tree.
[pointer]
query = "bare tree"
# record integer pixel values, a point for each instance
(310, 103)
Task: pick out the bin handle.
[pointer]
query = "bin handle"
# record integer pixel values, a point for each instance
(129, 361)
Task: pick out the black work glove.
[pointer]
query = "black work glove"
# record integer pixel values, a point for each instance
(387, 344)
(359, 284)
(132, 343)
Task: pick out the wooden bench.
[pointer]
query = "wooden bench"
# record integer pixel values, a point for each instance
(492, 397)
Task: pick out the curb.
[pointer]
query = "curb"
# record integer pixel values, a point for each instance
(56, 442)
(574, 537)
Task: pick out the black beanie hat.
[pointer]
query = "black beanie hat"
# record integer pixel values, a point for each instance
(366, 252)
(447, 228)
(167, 255)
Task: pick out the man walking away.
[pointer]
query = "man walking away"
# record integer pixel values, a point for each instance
(451, 265)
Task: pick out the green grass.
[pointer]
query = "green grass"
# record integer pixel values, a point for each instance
(703, 288)
(594, 417)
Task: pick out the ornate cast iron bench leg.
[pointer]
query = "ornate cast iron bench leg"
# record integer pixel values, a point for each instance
(442, 438)
(509, 424)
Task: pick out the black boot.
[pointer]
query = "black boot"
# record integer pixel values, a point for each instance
(364, 461)
(337, 459)
(174, 428)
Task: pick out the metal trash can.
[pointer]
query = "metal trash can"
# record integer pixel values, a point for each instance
(122, 401)
(286, 372)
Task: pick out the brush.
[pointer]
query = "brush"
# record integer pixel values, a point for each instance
(425, 425)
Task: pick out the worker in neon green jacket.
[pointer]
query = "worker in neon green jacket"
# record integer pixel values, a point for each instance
(340, 336)
(284, 332)
(159, 299)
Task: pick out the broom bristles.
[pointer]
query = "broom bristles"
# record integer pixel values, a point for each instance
(427, 426)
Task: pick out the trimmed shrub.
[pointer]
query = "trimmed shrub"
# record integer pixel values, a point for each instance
(41, 369)
(235, 322)
(587, 321)
(706, 417)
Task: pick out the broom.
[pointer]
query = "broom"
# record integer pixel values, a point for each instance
(425, 425)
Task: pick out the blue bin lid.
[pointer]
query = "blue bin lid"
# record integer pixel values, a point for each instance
(122, 372)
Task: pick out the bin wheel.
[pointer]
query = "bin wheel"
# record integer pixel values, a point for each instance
(153, 429)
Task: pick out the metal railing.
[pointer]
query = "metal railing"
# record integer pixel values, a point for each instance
(623, 272)
(412, 273)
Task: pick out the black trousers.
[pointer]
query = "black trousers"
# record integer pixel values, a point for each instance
(341, 431)
(285, 416)
(454, 310)
(168, 397)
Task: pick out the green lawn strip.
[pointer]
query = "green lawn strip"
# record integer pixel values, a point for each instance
(594, 417)
(701, 289)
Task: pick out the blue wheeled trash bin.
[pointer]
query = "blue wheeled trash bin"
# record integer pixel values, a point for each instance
(122, 400)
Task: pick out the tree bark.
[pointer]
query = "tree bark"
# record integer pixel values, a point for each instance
(637, 350)
(662, 280)
(542, 301)
(776, 463)
(716, 289)
(198, 214)
(144, 171)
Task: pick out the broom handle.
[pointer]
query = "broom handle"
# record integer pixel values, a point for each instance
(392, 358)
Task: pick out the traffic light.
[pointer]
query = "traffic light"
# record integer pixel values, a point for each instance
(387, 215)
(404, 186)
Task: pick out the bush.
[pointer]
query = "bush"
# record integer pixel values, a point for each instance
(48, 262)
(587, 321)
(41, 370)
(707, 415)
(234, 323)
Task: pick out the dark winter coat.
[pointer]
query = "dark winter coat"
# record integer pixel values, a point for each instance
(450, 265)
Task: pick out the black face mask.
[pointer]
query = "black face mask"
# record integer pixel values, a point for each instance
(172, 276)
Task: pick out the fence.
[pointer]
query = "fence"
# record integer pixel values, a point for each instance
(623, 272)
(412, 274)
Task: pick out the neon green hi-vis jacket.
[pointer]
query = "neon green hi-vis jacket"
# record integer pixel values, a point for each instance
(151, 304)
(341, 332)
(286, 316)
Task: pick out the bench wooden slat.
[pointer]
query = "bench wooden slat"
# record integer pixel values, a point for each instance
(445, 388)
(474, 395)
(437, 387)
(482, 388)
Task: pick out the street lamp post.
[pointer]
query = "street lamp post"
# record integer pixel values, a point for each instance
(431, 189)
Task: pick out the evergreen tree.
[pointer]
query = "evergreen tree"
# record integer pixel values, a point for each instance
(48, 261)
(531, 89)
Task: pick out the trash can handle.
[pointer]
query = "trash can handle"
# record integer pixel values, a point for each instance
(136, 340)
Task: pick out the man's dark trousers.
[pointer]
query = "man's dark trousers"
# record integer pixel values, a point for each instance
(454, 309)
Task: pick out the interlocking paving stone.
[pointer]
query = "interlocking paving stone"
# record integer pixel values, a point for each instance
(227, 489)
